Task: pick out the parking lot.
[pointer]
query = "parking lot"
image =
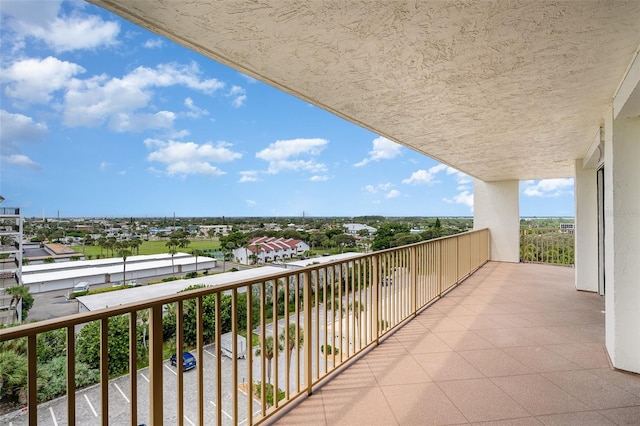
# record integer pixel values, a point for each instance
(88, 399)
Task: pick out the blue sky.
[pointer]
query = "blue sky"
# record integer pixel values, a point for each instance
(100, 118)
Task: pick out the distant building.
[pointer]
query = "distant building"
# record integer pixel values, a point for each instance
(10, 263)
(269, 249)
(567, 228)
(353, 228)
(217, 229)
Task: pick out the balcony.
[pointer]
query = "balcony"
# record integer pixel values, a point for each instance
(514, 344)
(514, 341)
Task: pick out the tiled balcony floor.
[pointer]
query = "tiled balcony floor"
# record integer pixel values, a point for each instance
(515, 344)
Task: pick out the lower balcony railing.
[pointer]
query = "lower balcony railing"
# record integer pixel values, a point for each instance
(547, 245)
(258, 344)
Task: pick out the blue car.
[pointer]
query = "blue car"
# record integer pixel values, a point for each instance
(188, 361)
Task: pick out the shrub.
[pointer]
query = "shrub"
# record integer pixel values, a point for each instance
(268, 393)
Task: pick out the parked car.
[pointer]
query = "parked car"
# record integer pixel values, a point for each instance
(188, 361)
(81, 287)
(132, 283)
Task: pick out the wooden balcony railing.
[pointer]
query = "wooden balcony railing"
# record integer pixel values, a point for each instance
(306, 323)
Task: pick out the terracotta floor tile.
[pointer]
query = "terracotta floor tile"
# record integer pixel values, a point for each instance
(495, 363)
(464, 340)
(356, 407)
(586, 418)
(423, 404)
(538, 395)
(522, 421)
(476, 322)
(427, 343)
(446, 366)
(540, 359)
(593, 390)
(543, 336)
(623, 416)
(503, 337)
(481, 400)
(586, 355)
(398, 370)
(623, 379)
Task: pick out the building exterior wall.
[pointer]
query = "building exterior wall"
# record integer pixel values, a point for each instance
(622, 241)
(586, 233)
(496, 206)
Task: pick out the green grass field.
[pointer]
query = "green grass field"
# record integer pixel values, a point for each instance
(149, 247)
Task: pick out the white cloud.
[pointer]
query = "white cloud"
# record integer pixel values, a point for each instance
(238, 95)
(41, 20)
(424, 177)
(249, 176)
(34, 80)
(194, 111)
(251, 203)
(548, 188)
(381, 187)
(393, 193)
(319, 178)
(464, 198)
(104, 165)
(17, 128)
(186, 158)
(124, 122)
(20, 160)
(153, 43)
(282, 155)
(98, 99)
(383, 149)
(249, 80)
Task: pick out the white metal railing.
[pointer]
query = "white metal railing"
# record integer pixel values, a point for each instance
(308, 322)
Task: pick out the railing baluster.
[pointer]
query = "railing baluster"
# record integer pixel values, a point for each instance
(199, 357)
(218, 334)
(249, 378)
(104, 370)
(71, 376)
(179, 350)
(307, 332)
(234, 371)
(155, 365)
(133, 367)
(32, 379)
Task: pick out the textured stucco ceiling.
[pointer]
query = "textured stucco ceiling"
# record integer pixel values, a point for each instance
(498, 89)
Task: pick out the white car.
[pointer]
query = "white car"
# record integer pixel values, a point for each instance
(81, 287)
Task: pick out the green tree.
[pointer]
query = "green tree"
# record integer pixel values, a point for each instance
(88, 345)
(124, 253)
(267, 348)
(196, 253)
(290, 331)
(21, 292)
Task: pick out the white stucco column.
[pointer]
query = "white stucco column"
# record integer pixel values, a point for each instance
(586, 232)
(622, 241)
(496, 205)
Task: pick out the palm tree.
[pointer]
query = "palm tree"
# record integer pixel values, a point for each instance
(172, 252)
(124, 253)
(144, 319)
(269, 353)
(196, 253)
(356, 307)
(292, 343)
(229, 246)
